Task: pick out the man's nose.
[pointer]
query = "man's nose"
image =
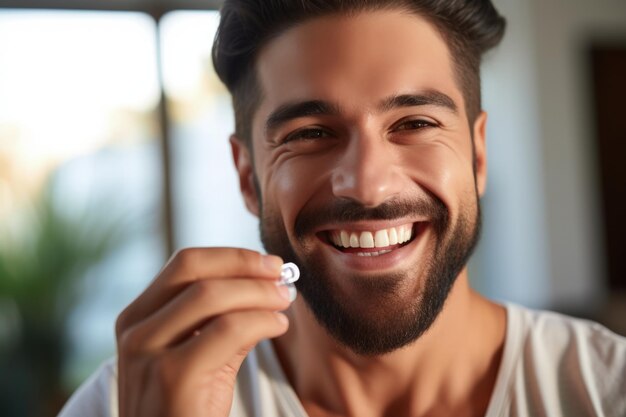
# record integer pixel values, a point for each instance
(367, 172)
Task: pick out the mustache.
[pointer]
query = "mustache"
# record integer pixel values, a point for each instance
(345, 211)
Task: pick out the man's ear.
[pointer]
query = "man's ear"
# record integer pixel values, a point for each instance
(243, 162)
(480, 152)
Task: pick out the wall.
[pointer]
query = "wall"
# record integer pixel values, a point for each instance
(564, 31)
(512, 261)
(543, 232)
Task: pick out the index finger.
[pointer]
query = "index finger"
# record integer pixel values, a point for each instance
(192, 264)
(202, 263)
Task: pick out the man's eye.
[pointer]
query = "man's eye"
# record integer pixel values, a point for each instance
(306, 134)
(414, 125)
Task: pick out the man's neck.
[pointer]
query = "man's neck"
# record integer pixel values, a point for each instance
(450, 370)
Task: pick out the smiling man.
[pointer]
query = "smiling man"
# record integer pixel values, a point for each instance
(360, 145)
(365, 172)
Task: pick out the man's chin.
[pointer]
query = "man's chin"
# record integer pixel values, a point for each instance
(369, 313)
(372, 327)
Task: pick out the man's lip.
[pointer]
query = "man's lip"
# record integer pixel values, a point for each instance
(391, 259)
(389, 245)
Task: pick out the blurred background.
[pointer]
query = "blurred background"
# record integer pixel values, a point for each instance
(114, 153)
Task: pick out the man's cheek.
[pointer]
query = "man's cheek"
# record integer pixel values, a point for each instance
(296, 183)
(440, 171)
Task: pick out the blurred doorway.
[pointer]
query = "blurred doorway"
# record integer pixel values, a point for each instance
(609, 89)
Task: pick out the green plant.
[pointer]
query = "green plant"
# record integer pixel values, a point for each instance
(44, 257)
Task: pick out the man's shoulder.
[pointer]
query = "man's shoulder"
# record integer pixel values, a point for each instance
(572, 362)
(558, 334)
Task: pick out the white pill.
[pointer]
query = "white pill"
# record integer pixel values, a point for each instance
(289, 273)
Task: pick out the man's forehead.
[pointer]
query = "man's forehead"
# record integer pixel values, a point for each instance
(355, 60)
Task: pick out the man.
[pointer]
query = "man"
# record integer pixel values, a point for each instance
(360, 145)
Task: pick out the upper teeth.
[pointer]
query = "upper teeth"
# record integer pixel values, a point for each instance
(376, 239)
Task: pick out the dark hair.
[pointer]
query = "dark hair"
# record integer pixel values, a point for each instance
(470, 28)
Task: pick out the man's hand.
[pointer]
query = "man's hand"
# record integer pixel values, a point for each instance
(180, 344)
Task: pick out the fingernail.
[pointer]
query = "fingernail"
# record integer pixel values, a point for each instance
(284, 292)
(282, 318)
(293, 293)
(272, 263)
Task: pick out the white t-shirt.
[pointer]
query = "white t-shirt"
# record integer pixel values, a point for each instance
(552, 365)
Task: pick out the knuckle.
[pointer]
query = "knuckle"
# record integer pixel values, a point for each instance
(247, 257)
(120, 323)
(129, 340)
(124, 321)
(228, 326)
(205, 291)
(184, 258)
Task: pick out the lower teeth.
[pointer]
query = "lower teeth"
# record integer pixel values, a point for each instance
(382, 252)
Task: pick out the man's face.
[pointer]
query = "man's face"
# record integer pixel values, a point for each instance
(364, 172)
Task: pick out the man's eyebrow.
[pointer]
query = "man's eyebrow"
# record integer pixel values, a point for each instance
(294, 110)
(428, 98)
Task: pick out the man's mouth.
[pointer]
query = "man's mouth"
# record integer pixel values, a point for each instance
(372, 242)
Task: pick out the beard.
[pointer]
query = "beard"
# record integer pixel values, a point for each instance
(383, 312)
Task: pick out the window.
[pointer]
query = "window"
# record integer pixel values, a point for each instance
(78, 97)
(207, 209)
